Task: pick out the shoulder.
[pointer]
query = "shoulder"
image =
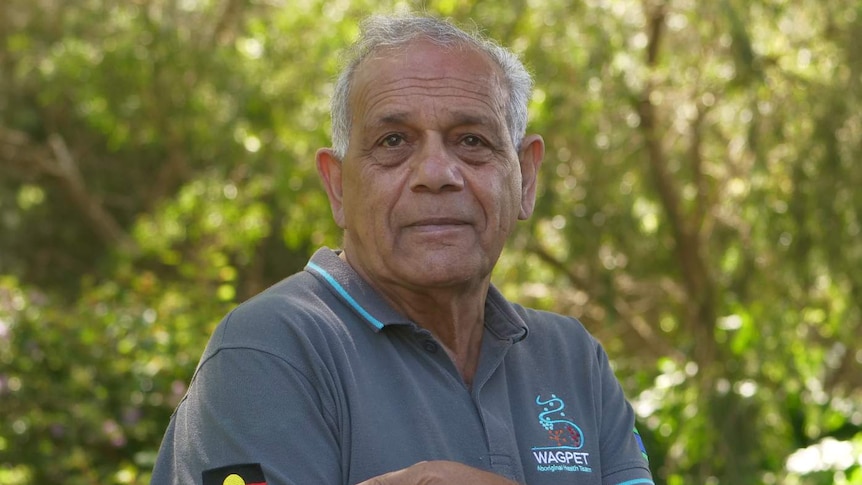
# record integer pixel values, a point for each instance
(563, 337)
(549, 325)
(298, 311)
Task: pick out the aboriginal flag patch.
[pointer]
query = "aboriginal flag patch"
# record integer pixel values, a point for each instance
(247, 474)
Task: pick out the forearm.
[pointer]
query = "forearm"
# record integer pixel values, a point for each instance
(439, 473)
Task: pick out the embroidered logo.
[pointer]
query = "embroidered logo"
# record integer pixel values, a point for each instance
(565, 439)
(248, 474)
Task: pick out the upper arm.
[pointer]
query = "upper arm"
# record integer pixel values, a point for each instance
(246, 406)
(623, 458)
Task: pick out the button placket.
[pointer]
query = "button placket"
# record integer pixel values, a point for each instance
(430, 346)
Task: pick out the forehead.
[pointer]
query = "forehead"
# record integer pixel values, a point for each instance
(422, 74)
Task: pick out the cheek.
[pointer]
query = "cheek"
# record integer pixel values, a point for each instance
(516, 192)
(370, 199)
(508, 194)
(499, 204)
(357, 200)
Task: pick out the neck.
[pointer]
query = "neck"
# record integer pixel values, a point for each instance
(456, 318)
(454, 315)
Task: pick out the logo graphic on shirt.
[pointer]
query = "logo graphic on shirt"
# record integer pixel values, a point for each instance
(561, 452)
(247, 474)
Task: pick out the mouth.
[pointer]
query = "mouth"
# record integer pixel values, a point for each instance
(437, 225)
(438, 222)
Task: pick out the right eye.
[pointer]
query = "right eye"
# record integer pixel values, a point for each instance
(392, 140)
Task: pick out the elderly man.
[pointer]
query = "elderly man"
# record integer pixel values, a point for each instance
(394, 360)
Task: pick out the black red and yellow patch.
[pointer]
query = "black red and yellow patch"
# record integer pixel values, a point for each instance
(245, 474)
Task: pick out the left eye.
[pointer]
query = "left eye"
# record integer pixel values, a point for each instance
(472, 141)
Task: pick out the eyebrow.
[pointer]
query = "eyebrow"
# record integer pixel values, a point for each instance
(470, 119)
(392, 119)
(460, 119)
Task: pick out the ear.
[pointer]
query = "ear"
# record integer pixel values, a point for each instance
(531, 154)
(329, 169)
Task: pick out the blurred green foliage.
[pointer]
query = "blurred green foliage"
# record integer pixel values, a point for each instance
(699, 211)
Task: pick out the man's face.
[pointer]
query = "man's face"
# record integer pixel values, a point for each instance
(431, 184)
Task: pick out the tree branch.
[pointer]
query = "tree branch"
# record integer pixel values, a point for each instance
(99, 219)
(687, 241)
(20, 154)
(55, 160)
(225, 28)
(632, 318)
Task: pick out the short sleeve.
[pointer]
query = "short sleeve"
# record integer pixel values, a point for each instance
(248, 408)
(624, 459)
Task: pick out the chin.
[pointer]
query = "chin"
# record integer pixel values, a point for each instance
(433, 272)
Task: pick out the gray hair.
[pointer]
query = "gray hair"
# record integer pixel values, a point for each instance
(381, 32)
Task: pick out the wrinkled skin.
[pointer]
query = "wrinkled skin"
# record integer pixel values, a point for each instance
(438, 473)
(428, 192)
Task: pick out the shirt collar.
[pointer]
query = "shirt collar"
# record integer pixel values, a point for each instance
(501, 318)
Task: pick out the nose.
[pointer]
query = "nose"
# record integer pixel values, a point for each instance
(435, 168)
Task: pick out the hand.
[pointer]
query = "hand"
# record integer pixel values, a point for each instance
(438, 473)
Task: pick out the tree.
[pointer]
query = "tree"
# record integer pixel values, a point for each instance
(700, 212)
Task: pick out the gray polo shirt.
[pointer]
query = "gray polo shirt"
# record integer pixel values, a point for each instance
(318, 381)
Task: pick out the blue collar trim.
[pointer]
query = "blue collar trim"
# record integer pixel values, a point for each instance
(344, 294)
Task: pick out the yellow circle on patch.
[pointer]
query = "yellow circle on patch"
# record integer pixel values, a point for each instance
(233, 479)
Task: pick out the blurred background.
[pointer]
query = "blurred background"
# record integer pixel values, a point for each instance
(700, 211)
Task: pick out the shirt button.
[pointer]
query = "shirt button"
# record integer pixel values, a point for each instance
(430, 346)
